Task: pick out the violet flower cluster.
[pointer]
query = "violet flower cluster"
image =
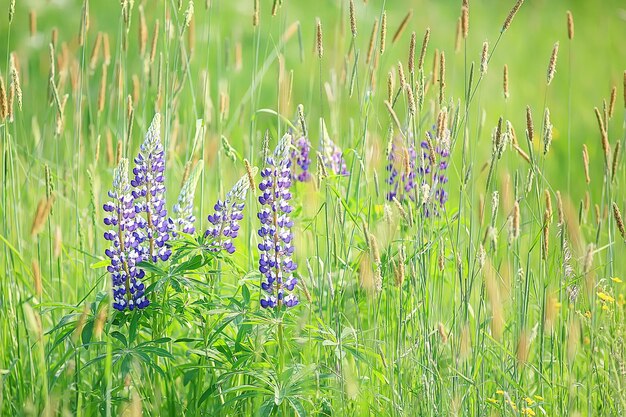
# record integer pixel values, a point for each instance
(433, 163)
(149, 193)
(401, 173)
(276, 248)
(228, 213)
(300, 156)
(332, 156)
(125, 251)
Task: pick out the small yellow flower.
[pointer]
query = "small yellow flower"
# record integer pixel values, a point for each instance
(616, 280)
(500, 392)
(620, 300)
(528, 412)
(588, 314)
(538, 397)
(605, 307)
(586, 340)
(492, 400)
(605, 297)
(529, 401)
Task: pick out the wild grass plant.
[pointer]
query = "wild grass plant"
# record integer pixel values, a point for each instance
(326, 208)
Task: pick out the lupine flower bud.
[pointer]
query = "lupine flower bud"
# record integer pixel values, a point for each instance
(183, 210)
(332, 155)
(125, 252)
(276, 247)
(432, 167)
(225, 220)
(149, 194)
(300, 156)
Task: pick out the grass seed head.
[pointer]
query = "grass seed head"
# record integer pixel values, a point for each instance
(552, 64)
(402, 26)
(570, 25)
(511, 15)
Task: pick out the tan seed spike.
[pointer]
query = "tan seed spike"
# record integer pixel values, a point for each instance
(442, 77)
(612, 101)
(530, 131)
(484, 58)
(412, 54)
(370, 50)
(37, 279)
(401, 76)
(420, 63)
(616, 154)
(511, 15)
(255, 15)
(402, 26)
(465, 21)
(570, 25)
(383, 32)
(155, 41)
(459, 35)
(605, 140)
(319, 38)
(546, 234)
(586, 163)
(559, 208)
(95, 52)
(505, 81)
(548, 199)
(32, 19)
(552, 65)
(619, 221)
(3, 100)
(352, 19)
(435, 78)
(275, 8)
(15, 80)
(390, 86)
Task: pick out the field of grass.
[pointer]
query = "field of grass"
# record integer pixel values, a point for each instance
(439, 184)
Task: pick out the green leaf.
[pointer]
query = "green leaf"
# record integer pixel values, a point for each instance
(100, 264)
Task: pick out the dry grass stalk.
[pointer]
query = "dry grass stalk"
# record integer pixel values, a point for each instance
(15, 80)
(143, 32)
(402, 26)
(546, 235)
(559, 208)
(37, 279)
(459, 36)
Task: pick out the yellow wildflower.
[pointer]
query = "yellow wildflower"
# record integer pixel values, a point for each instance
(529, 401)
(605, 307)
(500, 392)
(528, 411)
(492, 400)
(588, 314)
(616, 280)
(605, 297)
(538, 397)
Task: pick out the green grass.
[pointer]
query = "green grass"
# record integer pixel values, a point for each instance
(480, 325)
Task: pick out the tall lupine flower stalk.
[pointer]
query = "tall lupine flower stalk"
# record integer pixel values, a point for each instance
(401, 170)
(184, 219)
(332, 156)
(149, 193)
(432, 166)
(276, 247)
(228, 213)
(125, 251)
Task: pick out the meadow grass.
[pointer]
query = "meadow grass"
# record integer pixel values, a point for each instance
(507, 299)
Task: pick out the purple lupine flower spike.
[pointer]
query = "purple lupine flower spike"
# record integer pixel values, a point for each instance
(300, 155)
(401, 183)
(149, 192)
(183, 210)
(228, 213)
(432, 170)
(332, 156)
(124, 252)
(276, 246)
